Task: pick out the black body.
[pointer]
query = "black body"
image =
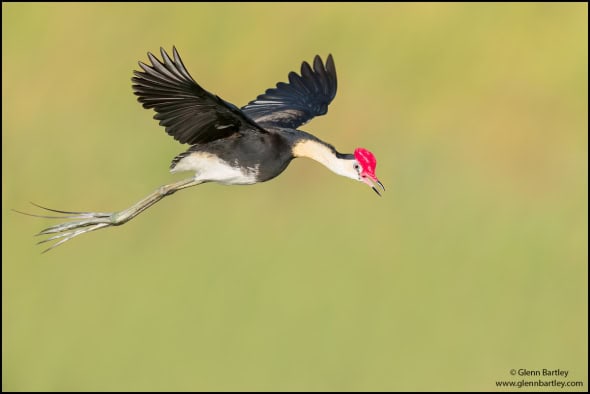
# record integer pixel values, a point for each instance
(270, 152)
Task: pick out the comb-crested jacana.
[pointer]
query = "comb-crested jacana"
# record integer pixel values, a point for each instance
(229, 145)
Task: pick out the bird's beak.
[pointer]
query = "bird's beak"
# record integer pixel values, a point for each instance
(372, 181)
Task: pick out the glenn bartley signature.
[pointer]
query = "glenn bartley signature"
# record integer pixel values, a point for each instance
(539, 372)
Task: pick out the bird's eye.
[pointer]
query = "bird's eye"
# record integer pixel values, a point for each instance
(357, 167)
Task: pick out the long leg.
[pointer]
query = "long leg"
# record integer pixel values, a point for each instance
(96, 220)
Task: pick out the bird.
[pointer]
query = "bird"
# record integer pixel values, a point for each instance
(227, 144)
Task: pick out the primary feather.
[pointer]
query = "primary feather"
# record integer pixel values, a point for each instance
(188, 112)
(293, 104)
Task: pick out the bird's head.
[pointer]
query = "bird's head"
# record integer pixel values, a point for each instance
(359, 166)
(364, 167)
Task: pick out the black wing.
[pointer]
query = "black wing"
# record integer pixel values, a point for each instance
(188, 112)
(297, 102)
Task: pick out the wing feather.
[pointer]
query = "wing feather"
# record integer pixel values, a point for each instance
(188, 112)
(295, 103)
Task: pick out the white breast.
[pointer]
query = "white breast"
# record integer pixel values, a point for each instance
(210, 168)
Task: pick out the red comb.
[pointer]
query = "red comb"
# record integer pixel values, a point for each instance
(367, 160)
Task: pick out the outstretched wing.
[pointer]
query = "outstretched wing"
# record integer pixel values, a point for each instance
(189, 113)
(297, 102)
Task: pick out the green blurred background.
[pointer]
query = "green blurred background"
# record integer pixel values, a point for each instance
(473, 263)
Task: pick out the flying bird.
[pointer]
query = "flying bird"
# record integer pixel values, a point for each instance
(228, 145)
